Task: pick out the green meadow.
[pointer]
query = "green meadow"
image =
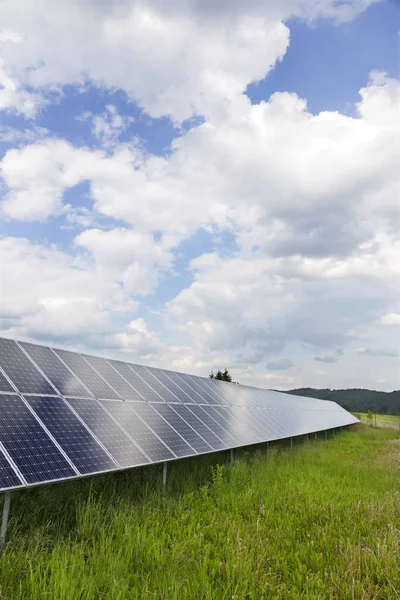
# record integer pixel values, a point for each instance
(319, 521)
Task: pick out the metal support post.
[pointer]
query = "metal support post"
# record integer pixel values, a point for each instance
(231, 456)
(326, 435)
(291, 443)
(308, 438)
(164, 477)
(267, 448)
(4, 522)
(316, 435)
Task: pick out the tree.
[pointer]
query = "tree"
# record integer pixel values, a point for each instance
(221, 375)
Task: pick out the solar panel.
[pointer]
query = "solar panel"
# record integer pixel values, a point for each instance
(202, 412)
(147, 441)
(191, 393)
(179, 424)
(65, 415)
(117, 442)
(33, 452)
(243, 431)
(61, 377)
(180, 395)
(76, 441)
(118, 383)
(198, 425)
(164, 431)
(5, 386)
(212, 393)
(21, 371)
(206, 398)
(142, 388)
(164, 393)
(95, 384)
(8, 477)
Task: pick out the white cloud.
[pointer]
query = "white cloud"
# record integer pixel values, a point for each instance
(179, 58)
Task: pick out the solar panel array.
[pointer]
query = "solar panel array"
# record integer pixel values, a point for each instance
(66, 415)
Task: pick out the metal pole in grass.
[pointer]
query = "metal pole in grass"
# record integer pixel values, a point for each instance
(316, 435)
(326, 435)
(291, 443)
(4, 522)
(308, 438)
(267, 448)
(164, 477)
(231, 456)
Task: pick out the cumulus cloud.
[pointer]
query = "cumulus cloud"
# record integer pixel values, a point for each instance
(309, 200)
(178, 58)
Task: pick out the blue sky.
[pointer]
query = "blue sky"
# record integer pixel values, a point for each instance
(170, 196)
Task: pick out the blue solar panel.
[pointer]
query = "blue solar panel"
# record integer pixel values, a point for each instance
(65, 415)
(31, 449)
(76, 441)
(21, 371)
(61, 377)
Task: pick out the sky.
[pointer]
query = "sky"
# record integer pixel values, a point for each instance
(205, 184)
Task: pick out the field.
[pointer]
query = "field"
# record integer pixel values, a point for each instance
(391, 421)
(319, 522)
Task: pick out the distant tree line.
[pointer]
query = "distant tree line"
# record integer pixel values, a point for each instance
(356, 400)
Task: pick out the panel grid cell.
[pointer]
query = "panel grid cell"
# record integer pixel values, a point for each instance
(61, 377)
(191, 393)
(145, 391)
(34, 453)
(87, 375)
(192, 437)
(108, 432)
(8, 477)
(170, 385)
(164, 393)
(5, 385)
(76, 441)
(199, 425)
(138, 431)
(113, 378)
(168, 435)
(217, 427)
(25, 376)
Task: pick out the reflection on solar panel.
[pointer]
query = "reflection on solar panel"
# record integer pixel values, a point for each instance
(118, 443)
(61, 377)
(65, 415)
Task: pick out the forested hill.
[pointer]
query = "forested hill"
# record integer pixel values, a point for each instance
(355, 399)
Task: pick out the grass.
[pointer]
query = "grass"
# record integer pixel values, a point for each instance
(319, 522)
(391, 421)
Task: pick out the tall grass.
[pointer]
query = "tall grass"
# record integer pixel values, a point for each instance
(319, 522)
